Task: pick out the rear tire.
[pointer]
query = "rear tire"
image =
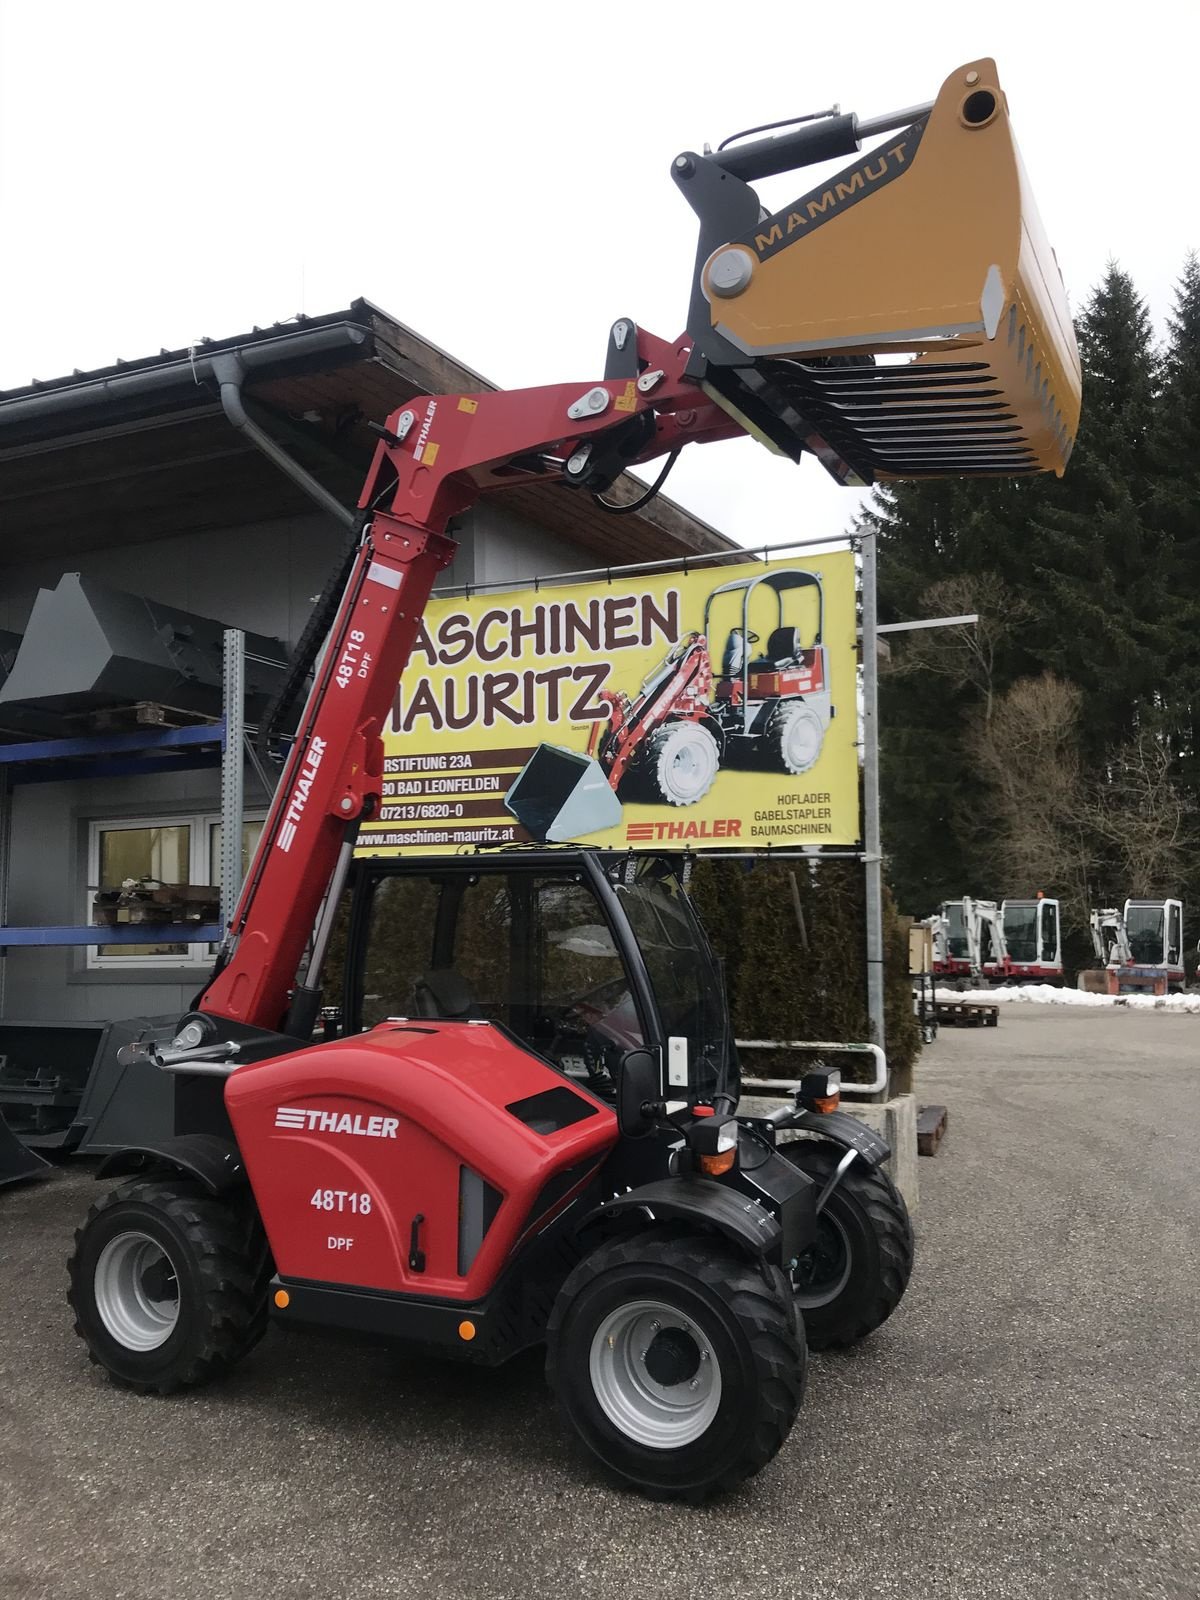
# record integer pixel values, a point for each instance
(855, 1275)
(681, 764)
(165, 1292)
(679, 1363)
(794, 737)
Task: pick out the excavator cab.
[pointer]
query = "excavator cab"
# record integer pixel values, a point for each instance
(1155, 932)
(905, 317)
(1033, 935)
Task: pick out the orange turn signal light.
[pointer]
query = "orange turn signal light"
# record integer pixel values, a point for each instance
(826, 1102)
(715, 1165)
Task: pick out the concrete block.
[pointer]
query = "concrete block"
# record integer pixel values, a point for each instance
(894, 1120)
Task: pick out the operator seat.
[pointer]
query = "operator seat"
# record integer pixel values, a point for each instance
(784, 649)
(444, 992)
(734, 657)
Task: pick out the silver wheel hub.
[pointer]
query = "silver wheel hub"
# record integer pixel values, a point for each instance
(689, 765)
(655, 1374)
(802, 739)
(825, 1269)
(137, 1291)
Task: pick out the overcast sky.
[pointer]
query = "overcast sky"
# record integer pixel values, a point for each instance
(497, 176)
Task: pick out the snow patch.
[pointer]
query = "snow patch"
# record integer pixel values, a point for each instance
(1045, 994)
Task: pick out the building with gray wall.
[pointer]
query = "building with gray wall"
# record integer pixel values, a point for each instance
(138, 478)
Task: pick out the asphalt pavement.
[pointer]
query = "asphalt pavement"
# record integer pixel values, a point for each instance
(1027, 1424)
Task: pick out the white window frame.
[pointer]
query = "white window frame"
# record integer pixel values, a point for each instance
(201, 825)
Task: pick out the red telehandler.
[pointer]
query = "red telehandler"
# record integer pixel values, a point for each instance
(527, 1131)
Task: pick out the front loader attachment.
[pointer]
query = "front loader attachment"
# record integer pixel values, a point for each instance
(560, 794)
(17, 1164)
(906, 317)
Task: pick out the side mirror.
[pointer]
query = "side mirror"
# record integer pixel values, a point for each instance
(637, 1085)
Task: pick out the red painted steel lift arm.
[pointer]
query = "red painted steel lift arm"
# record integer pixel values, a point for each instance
(437, 455)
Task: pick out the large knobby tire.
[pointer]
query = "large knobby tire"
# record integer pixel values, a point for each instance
(794, 737)
(854, 1276)
(168, 1285)
(679, 1363)
(681, 763)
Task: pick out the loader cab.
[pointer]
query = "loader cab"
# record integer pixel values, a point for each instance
(579, 956)
(787, 658)
(772, 697)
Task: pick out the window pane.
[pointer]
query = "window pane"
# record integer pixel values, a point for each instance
(438, 947)
(1020, 932)
(579, 1009)
(251, 833)
(399, 947)
(132, 854)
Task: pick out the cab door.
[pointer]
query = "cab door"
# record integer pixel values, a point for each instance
(1049, 935)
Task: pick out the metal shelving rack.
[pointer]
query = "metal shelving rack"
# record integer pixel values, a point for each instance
(220, 743)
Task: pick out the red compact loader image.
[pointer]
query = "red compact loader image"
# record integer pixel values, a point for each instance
(527, 1131)
(768, 708)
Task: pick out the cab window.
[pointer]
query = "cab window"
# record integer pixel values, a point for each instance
(533, 953)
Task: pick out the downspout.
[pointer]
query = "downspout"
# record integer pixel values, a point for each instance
(230, 372)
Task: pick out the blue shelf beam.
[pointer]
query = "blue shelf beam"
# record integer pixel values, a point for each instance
(122, 933)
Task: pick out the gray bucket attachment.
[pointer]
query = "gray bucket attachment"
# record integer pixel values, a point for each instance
(21, 721)
(90, 648)
(17, 1164)
(560, 795)
(62, 1088)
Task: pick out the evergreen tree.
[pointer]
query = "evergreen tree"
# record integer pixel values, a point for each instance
(1175, 501)
(1089, 562)
(1100, 580)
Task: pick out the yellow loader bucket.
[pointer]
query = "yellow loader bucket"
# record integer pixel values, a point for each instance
(905, 318)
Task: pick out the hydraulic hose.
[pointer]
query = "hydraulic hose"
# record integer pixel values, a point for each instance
(308, 647)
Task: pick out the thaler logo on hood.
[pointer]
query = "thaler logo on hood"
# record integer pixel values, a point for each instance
(302, 1120)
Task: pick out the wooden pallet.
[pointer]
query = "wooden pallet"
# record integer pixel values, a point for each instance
(967, 1014)
(932, 1122)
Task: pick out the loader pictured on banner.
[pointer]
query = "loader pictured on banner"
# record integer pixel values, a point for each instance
(767, 709)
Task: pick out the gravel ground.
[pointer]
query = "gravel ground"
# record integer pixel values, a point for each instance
(1026, 1425)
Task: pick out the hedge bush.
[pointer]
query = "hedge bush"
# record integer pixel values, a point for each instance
(792, 938)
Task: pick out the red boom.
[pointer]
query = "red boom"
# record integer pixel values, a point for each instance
(440, 453)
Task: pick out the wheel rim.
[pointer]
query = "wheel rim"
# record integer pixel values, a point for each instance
(655, 1374)
(802, 740)
(688, 768)
(137, 1291)
(824, 1269)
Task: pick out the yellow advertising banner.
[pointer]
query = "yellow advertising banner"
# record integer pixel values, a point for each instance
(713, 709)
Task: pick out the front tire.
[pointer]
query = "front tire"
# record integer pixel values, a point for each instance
(681, 763)
(679, 1363)
(164, 1286)
(855, 1274)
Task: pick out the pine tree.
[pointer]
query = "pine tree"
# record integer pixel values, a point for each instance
(1175, 454)
(1088, 559)
(1097, 559)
